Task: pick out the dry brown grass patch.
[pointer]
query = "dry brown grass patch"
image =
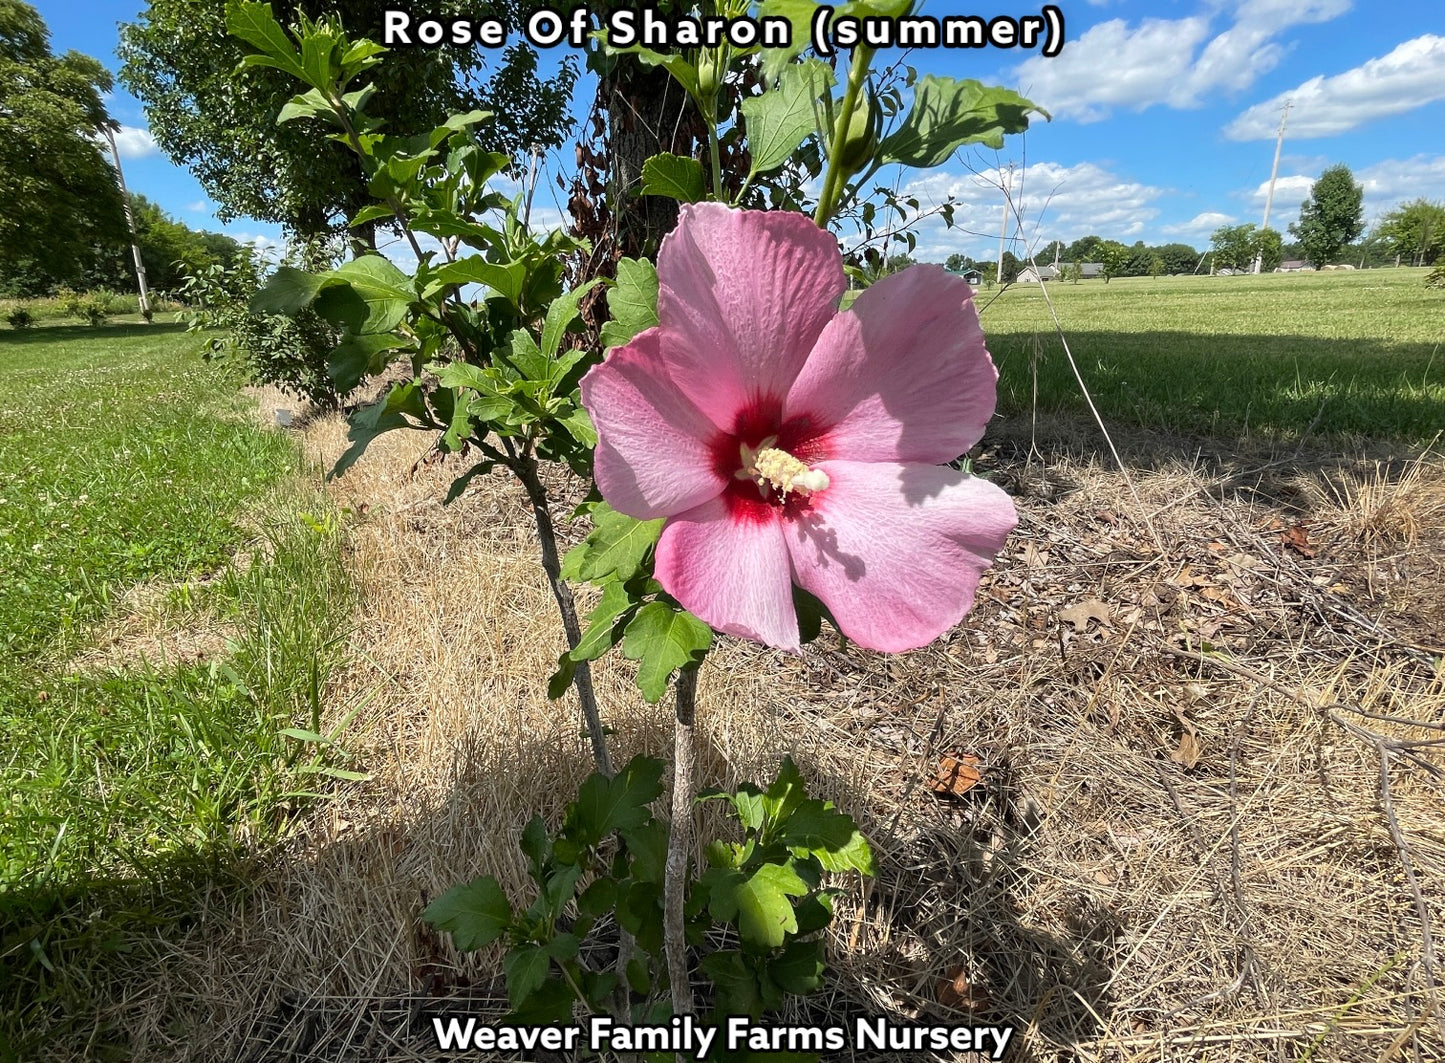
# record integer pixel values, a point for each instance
(1180, 846)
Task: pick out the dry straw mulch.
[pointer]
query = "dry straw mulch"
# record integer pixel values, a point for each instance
(1188, 805)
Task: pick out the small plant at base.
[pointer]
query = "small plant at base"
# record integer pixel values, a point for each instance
(20, 318)
(763, 896)
(1436, 278)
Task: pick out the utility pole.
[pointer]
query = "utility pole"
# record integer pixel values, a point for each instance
(140, 269)
(1273, 176)
(1003, 229)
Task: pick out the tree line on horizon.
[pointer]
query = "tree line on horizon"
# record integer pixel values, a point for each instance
(62, 220)
(1330, 229)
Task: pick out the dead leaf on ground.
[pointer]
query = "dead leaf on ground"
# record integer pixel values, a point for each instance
(956, 991)
(1080, 613)
(1297, 538)
(1190, 748)
(957, 773)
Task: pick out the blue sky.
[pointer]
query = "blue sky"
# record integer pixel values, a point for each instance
(1164, 117)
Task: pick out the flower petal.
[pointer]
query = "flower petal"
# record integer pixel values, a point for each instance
(652, 457)
(743, 296)
(902, 375)
(895, 551)
(730, 567)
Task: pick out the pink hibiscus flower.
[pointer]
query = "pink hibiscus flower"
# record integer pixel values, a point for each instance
(787, 443)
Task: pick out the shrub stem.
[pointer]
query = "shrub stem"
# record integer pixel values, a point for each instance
(679, 843)
(524, 466)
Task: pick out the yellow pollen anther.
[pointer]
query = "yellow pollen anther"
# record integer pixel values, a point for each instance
(778, 470)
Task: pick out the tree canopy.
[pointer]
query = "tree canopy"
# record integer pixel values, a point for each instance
(1415, 231)
(180, 62)
(59, 205)
(1332, 217)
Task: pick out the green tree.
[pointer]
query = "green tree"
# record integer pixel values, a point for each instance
(1332, 216)
(957, 263)
(1268, 246)
(1054, 249)
(1113, 256)
(1085, 249)
(1233, 246)
(180, 62)
(60, 209)
(1414, 231)
(1177, 258)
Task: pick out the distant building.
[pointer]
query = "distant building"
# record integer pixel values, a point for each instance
(973, 276)
(1091, 269)
(1034, 274)
(1294, 265)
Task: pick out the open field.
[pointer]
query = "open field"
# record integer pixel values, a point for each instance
(1205, 826)
(1347, 354)
(164, 612)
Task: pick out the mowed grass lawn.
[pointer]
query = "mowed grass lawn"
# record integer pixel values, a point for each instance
(1351, 353)
(130, 472)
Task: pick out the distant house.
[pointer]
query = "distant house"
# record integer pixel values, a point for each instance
(973, 276)
(1034, 274)
(1294, 265)
(1091, 269)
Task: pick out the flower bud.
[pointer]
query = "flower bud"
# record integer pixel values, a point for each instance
(709, 73)
(860, 139)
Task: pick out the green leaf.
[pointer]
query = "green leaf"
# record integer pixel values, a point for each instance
(602, 628)
(785, 793)
(372, 299)
(758, 903)
(287, 290)
(560, 680)
(780, 120)
(386, 414)
(560, 315)
(664, 638)
(535, 845)
(357, 357)
(461, 483)
(647, 845)
(632, 303)
(605, 805)
(614, 548)
(748, 802)
(800, 968)
(815, 911)
(257, 26)
(310, 104)
(949, 113)
(683, 72)
(737, 984)
(799, 14)
(526, 969)
(580, 427)
(548, 1005)
(673, 176)
(506, 280)
(475, 913)
(855, 855)
(816, 825)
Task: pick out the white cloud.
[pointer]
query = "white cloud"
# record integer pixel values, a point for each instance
(1202, 224)
(1171, 61)
(1387, 184)
(1394, 181)
(201, 206)
(1412, 75)
(135, 143)
(1057, 203)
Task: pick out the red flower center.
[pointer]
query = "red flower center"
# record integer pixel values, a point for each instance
(757, 426)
